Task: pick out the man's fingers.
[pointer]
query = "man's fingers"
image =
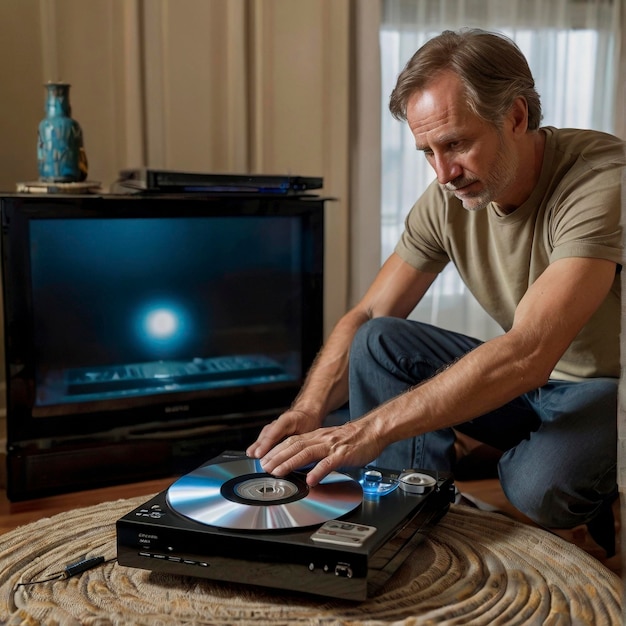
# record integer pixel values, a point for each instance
(302, 450)
(272, 434)
(286, 457)
(320, 471)
(269, 436)
(259, 447)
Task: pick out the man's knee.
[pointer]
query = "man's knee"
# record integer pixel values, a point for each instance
(381, 345)
(375, 336)
(372, 330)
(409, 346)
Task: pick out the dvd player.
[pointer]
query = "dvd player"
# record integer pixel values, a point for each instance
(172, 181)
(230, 521)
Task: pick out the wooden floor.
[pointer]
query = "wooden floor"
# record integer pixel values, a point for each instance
(14, 514)
(487, 493)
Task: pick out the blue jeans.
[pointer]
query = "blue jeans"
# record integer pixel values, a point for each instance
(559, 441)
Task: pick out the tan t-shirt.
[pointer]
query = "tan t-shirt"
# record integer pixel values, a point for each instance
(574, 211)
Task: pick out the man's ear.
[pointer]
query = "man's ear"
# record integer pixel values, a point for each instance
(517, 117)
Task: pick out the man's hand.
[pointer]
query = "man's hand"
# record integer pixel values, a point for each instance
(353, 444)
(289, 423)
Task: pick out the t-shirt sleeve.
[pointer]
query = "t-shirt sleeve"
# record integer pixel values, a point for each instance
(421, 244)
(586, 220)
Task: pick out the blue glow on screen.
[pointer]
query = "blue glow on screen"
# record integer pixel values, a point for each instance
(120, 291)
(163, 327)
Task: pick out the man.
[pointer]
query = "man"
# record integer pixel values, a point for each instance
(530, 216)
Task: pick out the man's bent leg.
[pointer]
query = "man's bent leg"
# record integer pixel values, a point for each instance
(565, 474)
(390, 355)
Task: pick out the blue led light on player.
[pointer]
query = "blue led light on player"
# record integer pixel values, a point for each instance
(374, 484)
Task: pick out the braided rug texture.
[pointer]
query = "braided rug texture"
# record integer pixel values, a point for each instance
(474, 568)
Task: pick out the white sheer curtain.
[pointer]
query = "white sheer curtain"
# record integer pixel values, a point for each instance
(572, 47)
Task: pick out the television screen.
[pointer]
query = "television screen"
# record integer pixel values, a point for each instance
(134, 307)
(126, 314)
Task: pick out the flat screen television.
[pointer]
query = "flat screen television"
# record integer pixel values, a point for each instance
(144, 334)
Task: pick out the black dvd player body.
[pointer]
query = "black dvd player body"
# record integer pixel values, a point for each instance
(156, 537)
(174, 181)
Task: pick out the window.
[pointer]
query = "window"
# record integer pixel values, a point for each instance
(571, 47)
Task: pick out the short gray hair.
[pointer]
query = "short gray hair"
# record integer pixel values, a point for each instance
(491, 67)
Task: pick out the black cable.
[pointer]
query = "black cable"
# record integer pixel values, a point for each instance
(58, 576)
(73, 569)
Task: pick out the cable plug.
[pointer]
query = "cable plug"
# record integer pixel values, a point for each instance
(73, 569)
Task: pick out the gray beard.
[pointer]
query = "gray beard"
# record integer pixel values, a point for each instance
(501, 176)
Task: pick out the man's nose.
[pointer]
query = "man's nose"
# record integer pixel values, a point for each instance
(447, 169)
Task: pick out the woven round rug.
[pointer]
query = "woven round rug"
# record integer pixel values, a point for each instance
(474, 568)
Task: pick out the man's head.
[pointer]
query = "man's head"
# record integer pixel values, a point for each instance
(474, 135)
(493, 70)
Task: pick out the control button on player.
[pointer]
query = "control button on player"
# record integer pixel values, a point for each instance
(156, 512)
(416, 482)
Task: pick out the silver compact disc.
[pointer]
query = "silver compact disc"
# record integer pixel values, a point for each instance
(240, 495)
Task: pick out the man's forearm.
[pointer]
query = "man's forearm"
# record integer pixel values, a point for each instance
(483, 380)
(326, 386)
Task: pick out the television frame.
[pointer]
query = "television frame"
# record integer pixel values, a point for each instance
(113, 441)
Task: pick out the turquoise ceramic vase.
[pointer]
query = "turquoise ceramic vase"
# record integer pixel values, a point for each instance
(60, 152)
